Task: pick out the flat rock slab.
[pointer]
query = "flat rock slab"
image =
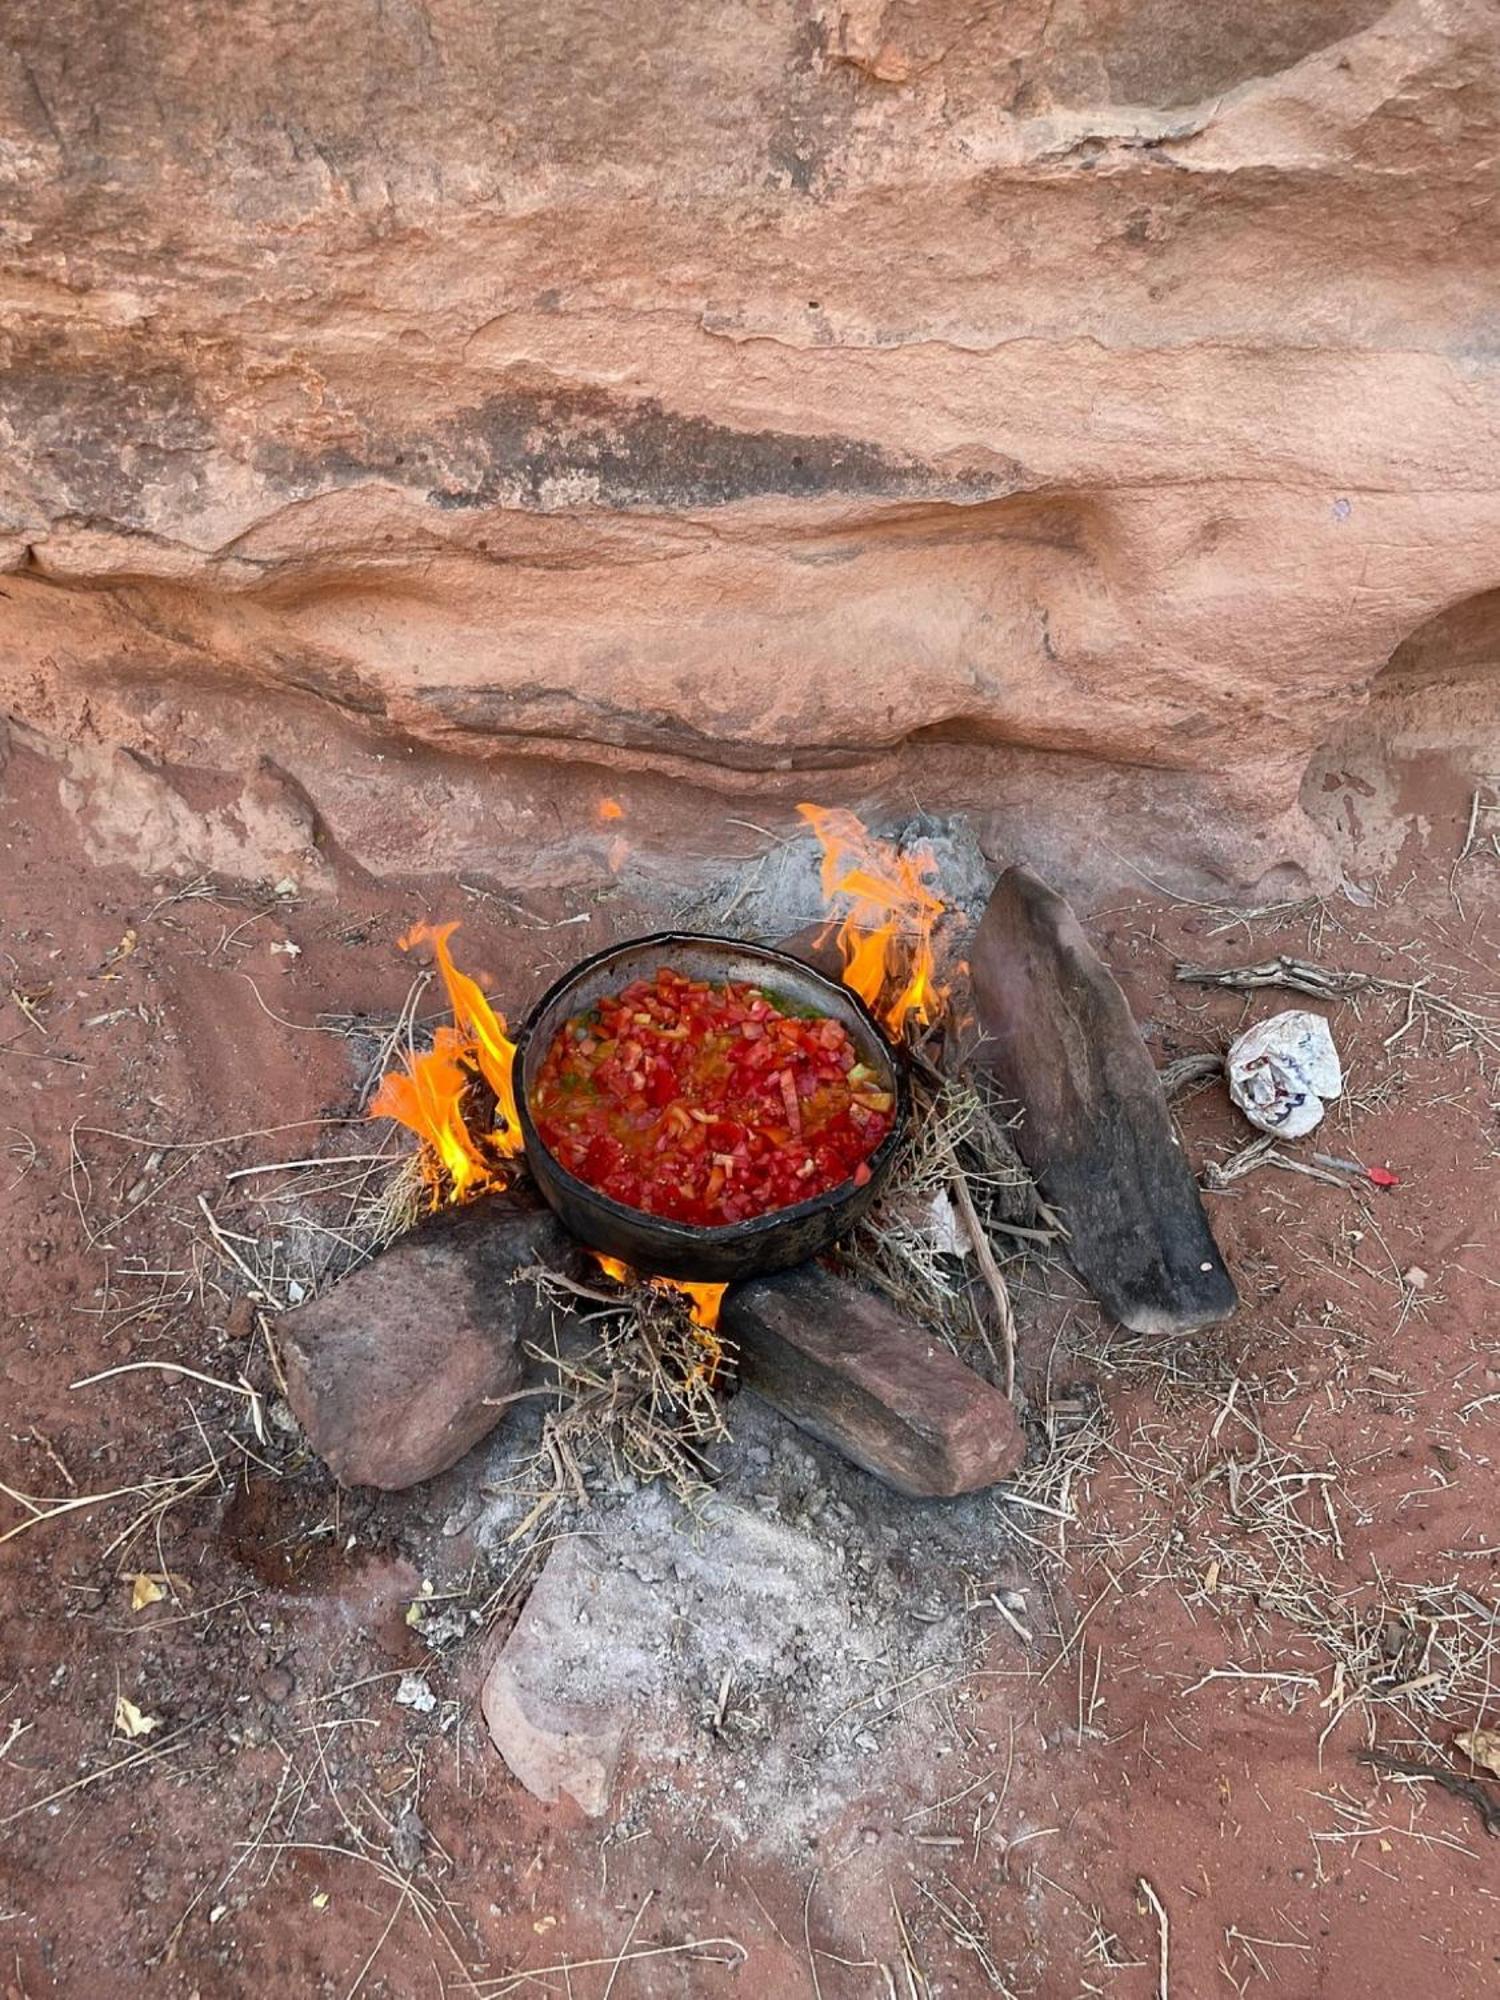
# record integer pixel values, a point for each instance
(852, 1372)
(396, 1371)
(644, 1636)
(1096, 1131)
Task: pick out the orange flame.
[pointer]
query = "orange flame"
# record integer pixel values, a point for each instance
(886, 935)
(429, 1095)
(611, 809)
(703, 1302)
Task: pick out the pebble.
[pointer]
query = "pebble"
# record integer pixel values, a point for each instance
(413, 1692)
(276, 1684)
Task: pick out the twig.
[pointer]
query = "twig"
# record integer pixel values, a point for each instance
(629, 1941)
(1463, 852)
(260, 1296)
(1470, 1790)
(1020, 1630)
(42, 1511)
(708, 1947)
(379, 1944)
(1163, 1935)
(1299, 975)
(812, 1957)
(329, 1160)
(172, 1368)
(916, 1980)
(992, 1274)
(539, 1273)
(167, 1745)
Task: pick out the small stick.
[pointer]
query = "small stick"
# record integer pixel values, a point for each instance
(916, 1980)
(1028, 1235)
(256, 1292)
(1163, 1934)
(540, 1273)
(50, 1509)
(171, 1368)
(164, 1748)
(711, 1949)
(812, 1956)
(1010, 1618)
(329, 1160)
(993, 1277)
(721, 1707)
(629, 1941)
(1463, 852)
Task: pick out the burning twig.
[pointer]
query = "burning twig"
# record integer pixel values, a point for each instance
(642, 1396)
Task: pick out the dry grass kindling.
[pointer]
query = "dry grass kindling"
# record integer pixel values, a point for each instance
(958, 1189)
(1248, 1529)
(636, 1396)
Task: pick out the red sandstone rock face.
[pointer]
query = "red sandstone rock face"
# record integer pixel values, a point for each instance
(725, 390)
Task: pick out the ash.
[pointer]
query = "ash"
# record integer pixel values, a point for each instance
(787, 1649)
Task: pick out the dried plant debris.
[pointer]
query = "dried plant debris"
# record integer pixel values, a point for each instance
(637, 1396)
(1473, 1791)
(1251, 1529)
(917, 1246)
(1461, 1026)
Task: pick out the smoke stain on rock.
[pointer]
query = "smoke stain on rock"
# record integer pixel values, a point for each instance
(96, 427)
(545, 449)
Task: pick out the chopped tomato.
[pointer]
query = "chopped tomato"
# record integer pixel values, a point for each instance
(708, 1104)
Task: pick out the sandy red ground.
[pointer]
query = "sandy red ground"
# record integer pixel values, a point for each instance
(257, 1848)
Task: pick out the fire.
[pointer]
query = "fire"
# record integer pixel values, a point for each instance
(430, 1094)
(703, 1302)
(611, 809)
(886, 934)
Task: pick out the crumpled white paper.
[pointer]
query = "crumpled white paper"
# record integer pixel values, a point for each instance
(1283, 1071)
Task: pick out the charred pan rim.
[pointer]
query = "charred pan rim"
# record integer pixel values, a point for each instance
(678, 1248)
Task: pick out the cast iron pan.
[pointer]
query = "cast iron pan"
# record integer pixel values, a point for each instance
(650, 1243)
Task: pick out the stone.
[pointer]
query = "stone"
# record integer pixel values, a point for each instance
(638, 1635)
(1095, 1130)
(849, 1370)
(399, 1369)
(556, 1748)
(496, 418)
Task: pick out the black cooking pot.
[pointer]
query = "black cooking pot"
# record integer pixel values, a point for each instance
(651, 1243)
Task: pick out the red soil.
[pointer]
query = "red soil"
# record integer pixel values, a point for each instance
(1277, 1857)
